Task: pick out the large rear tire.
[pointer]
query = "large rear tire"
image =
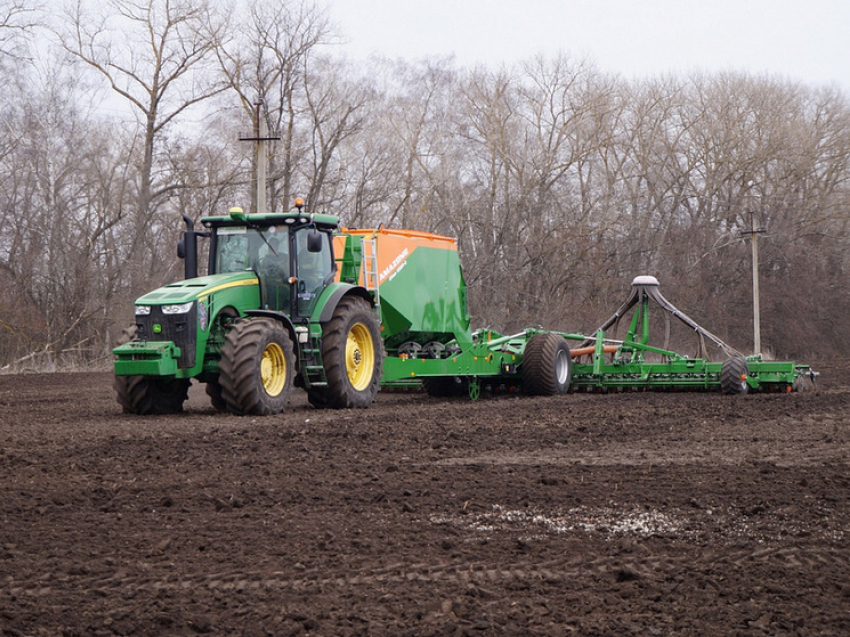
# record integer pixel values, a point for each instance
(733, 376)
(546, 365)
(145, 395)
(353, 355)
(257, 367)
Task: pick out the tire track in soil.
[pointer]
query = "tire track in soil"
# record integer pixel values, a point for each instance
(642, 567)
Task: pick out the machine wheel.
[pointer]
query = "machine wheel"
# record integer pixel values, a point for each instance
(803, 383)
(353, 355)
(445, 386)
(546, 365)
(146, 395)
(214, 392)
(733, 373)
(257, 367)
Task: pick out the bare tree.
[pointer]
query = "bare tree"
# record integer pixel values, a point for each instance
(64, 189)
(268, 61)
(18, 19)
(336, 107)
(153, 55)
(369, 163)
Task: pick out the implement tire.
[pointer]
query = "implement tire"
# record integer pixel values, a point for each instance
(733, 374)
(804, 382)
(546, 365)
(353, 355)
(257, 367)
(148, 395)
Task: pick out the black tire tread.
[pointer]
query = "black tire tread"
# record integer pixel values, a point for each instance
(730, 375)
(239, 376)
(214, 392)
(340, 394)
(539, 376)
(146, 396)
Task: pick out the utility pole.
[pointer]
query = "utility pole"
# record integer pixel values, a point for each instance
(754, 233)
(260, 135)
(756, 310)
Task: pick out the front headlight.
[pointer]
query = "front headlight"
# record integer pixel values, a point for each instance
(143, 310)
(177, 309)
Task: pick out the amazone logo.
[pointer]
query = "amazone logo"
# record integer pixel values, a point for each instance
(392, 266)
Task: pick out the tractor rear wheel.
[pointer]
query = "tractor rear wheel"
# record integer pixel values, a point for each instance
(353, 355)
(733, 376)
(546, 365)
(257, 366)
(146, 395)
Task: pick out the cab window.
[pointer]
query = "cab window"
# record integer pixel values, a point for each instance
(315, 269)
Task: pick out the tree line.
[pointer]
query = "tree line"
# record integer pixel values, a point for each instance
(561, 182)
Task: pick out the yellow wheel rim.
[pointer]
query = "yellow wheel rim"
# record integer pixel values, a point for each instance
(273, 369)
(359, 357)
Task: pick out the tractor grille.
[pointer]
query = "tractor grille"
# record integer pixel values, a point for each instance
(181, 329)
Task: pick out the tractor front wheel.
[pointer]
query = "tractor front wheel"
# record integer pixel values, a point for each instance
(146, 395)
(257, 366)
(214, 392)
(353, 355)
(546, 365)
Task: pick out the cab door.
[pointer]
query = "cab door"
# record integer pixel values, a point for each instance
(313, 268)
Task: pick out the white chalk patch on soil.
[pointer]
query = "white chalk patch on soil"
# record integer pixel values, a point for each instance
(610, 521)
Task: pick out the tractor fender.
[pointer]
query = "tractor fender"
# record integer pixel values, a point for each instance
(338, 294)
(287, 324)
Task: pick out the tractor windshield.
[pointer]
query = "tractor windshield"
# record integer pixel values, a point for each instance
(266, 251)
(263, 250)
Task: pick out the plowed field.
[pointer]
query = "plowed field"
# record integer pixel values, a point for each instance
(626, 514)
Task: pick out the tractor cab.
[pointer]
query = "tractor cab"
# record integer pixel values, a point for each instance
(290, 254)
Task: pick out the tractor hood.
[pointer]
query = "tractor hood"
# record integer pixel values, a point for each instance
(193, 289)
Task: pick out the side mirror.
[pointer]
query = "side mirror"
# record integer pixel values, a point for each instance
(314, 241)
(181, 249)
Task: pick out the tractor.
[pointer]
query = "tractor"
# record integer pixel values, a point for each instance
(269, 315)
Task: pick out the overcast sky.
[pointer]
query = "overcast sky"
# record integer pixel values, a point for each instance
(806, 40)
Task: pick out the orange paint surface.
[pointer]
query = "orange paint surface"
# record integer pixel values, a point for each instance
(395, 246)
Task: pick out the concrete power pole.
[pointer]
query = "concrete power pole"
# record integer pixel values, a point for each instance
(756, 309)
(260, 135)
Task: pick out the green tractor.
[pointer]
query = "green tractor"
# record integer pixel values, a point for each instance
(270, 314)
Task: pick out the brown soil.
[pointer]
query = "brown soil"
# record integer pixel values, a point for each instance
(628, 514)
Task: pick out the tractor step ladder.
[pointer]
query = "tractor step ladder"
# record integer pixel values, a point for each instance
(370, 268)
